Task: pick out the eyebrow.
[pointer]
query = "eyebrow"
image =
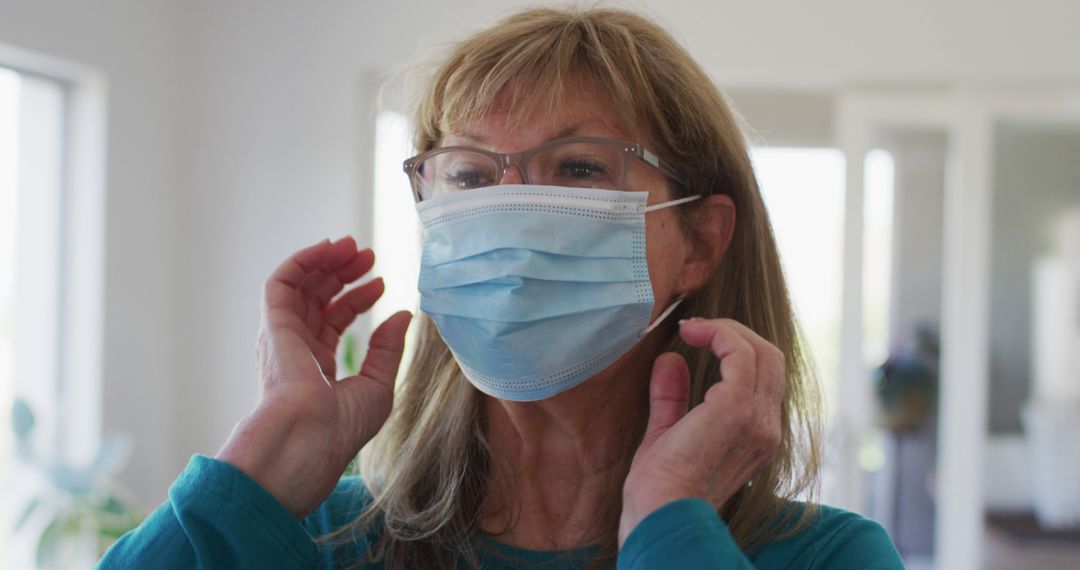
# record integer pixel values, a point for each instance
(566, 132)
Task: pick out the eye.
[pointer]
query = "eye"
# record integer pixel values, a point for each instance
(467, 178)
(582, 167)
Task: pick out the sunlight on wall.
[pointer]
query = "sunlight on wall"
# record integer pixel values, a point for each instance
(803, 189)
(397, 232)
(877, 255)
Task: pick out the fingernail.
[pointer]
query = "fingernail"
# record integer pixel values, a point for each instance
(690, 320)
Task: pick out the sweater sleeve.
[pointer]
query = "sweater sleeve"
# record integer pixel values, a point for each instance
(218, 517)
(686, 534)
(689, 535)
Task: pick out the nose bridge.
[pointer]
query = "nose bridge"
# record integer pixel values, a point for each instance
(512, 170)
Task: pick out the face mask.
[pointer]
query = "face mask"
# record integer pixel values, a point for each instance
(536, 289)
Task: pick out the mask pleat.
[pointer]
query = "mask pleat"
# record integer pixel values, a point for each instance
(525, 263)
(573, 235)
(514, 299)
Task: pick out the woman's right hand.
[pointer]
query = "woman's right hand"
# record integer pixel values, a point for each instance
(308, 425)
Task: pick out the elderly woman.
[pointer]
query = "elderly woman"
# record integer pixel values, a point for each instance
(608, 368)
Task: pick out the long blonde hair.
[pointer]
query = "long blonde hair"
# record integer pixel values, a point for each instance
(428, 469)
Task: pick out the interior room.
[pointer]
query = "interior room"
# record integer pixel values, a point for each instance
(919, 161)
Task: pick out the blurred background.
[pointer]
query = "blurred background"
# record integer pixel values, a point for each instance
(921, 163)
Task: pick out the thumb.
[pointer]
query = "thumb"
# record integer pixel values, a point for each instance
(669, 395)
(385, 348)
(371, 393)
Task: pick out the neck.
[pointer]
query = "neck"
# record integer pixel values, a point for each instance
(558, 464)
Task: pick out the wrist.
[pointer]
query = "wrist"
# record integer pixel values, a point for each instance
(637, 506)
(265, 449)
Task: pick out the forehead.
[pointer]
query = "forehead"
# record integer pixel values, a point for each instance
(577, 109)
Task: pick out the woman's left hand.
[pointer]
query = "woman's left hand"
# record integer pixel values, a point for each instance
(713, 450)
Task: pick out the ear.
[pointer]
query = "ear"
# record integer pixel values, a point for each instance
(712, 225)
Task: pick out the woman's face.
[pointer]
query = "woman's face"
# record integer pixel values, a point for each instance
(584, 112)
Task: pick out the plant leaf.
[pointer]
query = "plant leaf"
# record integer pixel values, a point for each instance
(47, 544)
(350, 357)
(112, 457)
(22, 419)
(29, 510)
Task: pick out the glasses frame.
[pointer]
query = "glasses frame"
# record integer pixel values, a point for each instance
(629, 150)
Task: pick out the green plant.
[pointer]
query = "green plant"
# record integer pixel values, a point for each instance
(78, 502)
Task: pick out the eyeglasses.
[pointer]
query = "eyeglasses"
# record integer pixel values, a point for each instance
(578, 162)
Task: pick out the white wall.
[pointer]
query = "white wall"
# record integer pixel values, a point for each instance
(235, 132)
(133, 42)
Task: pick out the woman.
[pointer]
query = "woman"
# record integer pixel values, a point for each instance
(608, 369)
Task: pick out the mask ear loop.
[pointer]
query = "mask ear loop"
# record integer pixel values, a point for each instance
(667, 312)
(671, 203)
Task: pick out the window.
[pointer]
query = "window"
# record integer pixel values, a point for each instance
(877, 254)
(51, 269)
(397, 231)
(803, 189)
(396, 227)
(30, 234)
(8, 113)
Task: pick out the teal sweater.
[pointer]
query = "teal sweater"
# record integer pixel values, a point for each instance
(218, 517)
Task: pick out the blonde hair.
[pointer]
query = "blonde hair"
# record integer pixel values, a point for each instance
(429, 467)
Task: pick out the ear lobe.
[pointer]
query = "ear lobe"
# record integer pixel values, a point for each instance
(713, 227)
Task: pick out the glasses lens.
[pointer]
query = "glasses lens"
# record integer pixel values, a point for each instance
(455, 170)
(578, 165)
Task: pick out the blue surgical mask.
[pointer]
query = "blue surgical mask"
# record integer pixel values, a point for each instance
(536, 289)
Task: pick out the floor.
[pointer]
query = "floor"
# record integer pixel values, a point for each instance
(1017, 543)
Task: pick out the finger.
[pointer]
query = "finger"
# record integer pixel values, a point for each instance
(323, 285)
(358, 267)
(283, 282)
(284, 287)
(738, 360)
(344, 310)
(323, 282)
(669, 395)
(771, 362)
